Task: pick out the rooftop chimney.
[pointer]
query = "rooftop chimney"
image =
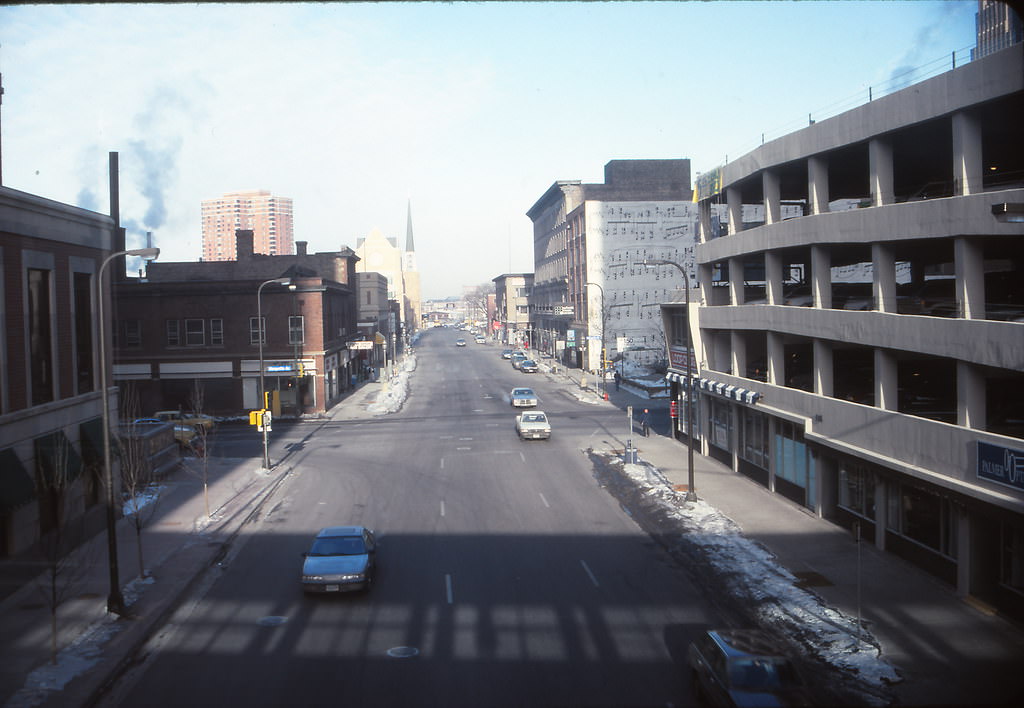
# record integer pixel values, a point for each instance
(243, 243)
(300, 248)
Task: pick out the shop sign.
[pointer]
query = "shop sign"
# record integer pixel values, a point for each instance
(1002, 465)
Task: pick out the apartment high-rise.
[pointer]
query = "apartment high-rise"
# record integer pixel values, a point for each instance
(268, 217)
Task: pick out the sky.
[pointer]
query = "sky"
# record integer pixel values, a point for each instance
(463, 112)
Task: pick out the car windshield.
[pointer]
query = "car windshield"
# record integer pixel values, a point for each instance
(338, 546)
(533, 418)
(762, 673)
(522, 392)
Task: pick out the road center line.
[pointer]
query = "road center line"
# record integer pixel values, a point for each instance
(544, 500)
(448, 588)
(442, 507)
(592, 578)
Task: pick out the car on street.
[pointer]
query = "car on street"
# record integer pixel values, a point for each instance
(185, 418)
(481, 339)
(533, 425)
(529, 366)
(744, 667)
(506, 354)
(341, 559)
(183, 432)
(460, 342)
(523, 398)
(517, 359)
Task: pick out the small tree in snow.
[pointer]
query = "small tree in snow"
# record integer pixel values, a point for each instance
(61, 544)
(138, 484)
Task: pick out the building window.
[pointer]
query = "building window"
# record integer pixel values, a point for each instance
(754, 438)
(133, 333)
(1011, 571)
(195, 333)
(84, 363)
(857, 490)
(173, 333)
(923, 516)
(721, 424)
(40, 335)
(257, 330)
(296, 329)
(217, 332)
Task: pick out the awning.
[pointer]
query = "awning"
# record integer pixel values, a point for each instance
(736, 393)
(680, 378)
(16, 486)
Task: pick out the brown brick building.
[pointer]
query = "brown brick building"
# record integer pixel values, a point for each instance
(187, 335)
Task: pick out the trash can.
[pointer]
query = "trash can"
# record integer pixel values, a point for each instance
(629, 455)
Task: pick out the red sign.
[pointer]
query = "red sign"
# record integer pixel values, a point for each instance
(673, 409)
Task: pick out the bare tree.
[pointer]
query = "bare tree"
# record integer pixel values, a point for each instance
(200, 443)
(61, 544)
(475, 298)
(138, 484)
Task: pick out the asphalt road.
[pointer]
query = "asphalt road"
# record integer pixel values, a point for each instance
(504, 567)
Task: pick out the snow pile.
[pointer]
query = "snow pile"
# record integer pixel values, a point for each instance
(140, 501)
(74, 660)
(396, 390)
(755, 578)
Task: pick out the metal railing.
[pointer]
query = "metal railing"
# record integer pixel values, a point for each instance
(894, 83)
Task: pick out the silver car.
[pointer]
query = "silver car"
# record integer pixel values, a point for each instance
(523, 398)
(341, 559)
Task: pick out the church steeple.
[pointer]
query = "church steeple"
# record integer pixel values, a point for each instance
(409, 255)
(408, 228)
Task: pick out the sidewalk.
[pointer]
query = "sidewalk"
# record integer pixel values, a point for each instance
(949, 651)
(179, 542)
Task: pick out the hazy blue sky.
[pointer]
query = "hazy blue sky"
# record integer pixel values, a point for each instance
(469, 110)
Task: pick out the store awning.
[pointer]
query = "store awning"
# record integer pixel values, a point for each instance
(16, 485)
(679, 378)
(736, 393)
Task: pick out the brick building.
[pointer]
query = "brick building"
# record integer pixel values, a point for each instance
(187, 335)
(268, 217)
(50, 402)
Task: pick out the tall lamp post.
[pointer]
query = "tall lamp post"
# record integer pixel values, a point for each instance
(115, 600)
(263, 392)
(601, 367)
(691, 494)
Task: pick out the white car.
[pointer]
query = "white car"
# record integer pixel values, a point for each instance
(522, 398)
(533, 425)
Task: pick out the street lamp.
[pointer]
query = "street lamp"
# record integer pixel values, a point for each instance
(691, 494)
(262, 330)
(115, 601)
(601, 366)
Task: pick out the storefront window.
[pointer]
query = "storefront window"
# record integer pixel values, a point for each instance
(754, 437)
(1011, 570)
(857, 490)
(924, 517)
(721, 424)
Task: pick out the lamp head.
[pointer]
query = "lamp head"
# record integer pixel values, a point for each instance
(150, 254)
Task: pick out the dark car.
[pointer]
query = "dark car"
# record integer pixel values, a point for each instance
(341, 559)
(528, 366)
(744, 667)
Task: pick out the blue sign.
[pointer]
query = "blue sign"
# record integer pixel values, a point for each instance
(279, 367)
(1002, 465)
